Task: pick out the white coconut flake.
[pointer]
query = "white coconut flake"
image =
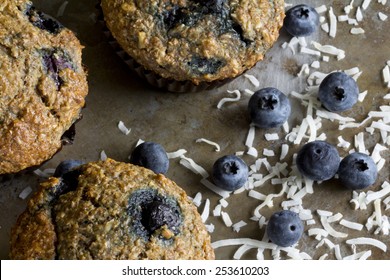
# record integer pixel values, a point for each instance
(366, 255)
(337, 252)
(304, 70)
(241, 251)
(315, 64)
(61, 9)
(229, 99)
(321, 9)
(271, 136)
(332, 23)
(243, 241)
(362, 95)
(226, 219)
(310, 222)
(330, 230)
(214, 188)
(359, 143)
(103, 155)
(386, 74)
(325, 27)
(284, 151)
(371, 196)
(351, 225)
(329, 49)
(123, 128)
(268, 153)
(355, 256)
(46, 173)
(217, 210)
(382, 16)
(323, 257)
(375, 155)
(197, 200)
(310, 51)
(324, 213)
(359, 14)
(210, 228)
(176, 154)
(352, 21)
(253, 80)
(368, 241)
(333, 116)
(193, 166)
(325, 58)
(357, 30)
(342, 143)
(206, 211)
(237, 226)
(256, 195)
(317, 231)
(335, 218)
(342, 18)
(25, 193)
(365, 4)
(217, 147)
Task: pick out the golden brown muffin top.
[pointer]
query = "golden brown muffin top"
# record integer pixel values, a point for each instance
(200, 41)
(103, 210)
(42, 85)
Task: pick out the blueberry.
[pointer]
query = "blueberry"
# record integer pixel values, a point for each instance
(67, 166)
(150, 211)
(318, 160)
(269, 108)
(338, 92)
(43, 21)
(152, 156)
(54, 61)
(230, 172)
(357, 171)
(202, 66)
(301, 20)
(213, 6)
(158, 214)
(284, 228)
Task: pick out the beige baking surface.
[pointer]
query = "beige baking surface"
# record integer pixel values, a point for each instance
(177, 120)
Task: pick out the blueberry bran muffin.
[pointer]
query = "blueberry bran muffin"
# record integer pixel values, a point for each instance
(195, 40)
(42, 85)
(110, 210)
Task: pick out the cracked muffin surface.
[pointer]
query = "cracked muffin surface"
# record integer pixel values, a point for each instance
(42, 85)
(110, 210)
(194, 40)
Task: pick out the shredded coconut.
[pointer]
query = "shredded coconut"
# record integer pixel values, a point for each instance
(217, 147)
(229, 99)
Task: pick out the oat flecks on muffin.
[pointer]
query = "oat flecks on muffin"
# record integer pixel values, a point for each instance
(42, 85)
(111, 210)
(200, 41)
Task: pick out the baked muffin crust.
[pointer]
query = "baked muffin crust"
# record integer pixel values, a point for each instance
(195, 40)
(42, 85)
(96, 218)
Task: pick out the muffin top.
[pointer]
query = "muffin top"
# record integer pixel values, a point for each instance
(200, 41)
(110, 210)
(42, 85)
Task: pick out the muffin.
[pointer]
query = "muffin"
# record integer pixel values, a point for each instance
(42, 85)
(110, 210)
(199, 42)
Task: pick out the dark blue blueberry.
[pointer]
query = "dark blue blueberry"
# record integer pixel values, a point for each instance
(43, 21)
(54, 61)
(284, 228)
(230, 172)
(158, 214)
(149, 211)
(68, 171)
(357, 171)
(338, 92)
(269, 108)
(152, 156)
(318, 160)
(67, 166)
(201, 65)
(213, 6)
(301, 20)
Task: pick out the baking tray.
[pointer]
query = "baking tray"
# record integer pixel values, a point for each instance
(177, 120)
